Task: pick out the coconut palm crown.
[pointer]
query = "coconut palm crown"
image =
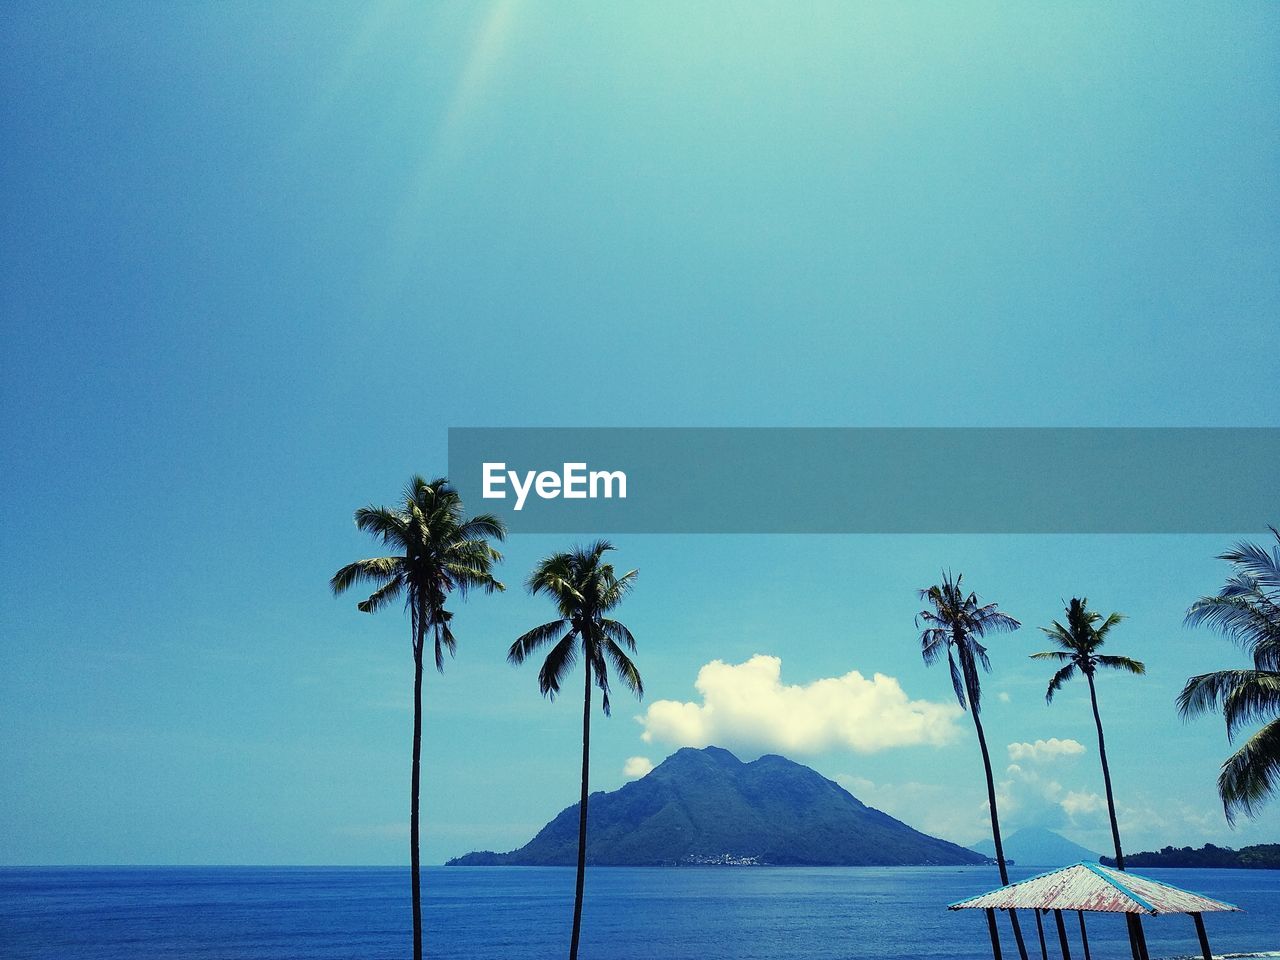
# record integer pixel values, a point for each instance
(584, 589)
(1079, 641)
(954, 623)
(1247, 611)
(437, 552)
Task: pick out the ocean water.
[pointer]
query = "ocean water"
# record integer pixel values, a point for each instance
(478, 913)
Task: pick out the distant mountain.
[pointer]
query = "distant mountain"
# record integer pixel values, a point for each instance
(707, 806)
(1260, 856)
(1037, 847)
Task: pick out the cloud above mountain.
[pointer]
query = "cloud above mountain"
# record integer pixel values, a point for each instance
(747, 708)
(1043, 751)
(636, 767)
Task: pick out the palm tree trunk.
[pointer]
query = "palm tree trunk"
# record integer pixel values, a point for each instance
(995, 826)
(415, 880)
(1106, 774)
(1137, 938)
(582, 814)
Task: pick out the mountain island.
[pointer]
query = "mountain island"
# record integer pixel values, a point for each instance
(1037, 847)
(708, 807)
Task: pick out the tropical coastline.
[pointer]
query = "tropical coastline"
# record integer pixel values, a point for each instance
(724, 481)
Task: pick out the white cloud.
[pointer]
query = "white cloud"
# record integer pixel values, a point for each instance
(636, 767)
(1003, 696)
(1043, 751)
(747, 706)
(1077, 803)
(1029, 797)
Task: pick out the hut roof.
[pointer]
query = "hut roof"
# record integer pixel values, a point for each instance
(1093, 887)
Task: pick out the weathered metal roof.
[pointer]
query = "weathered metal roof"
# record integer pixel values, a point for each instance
(1093, 887)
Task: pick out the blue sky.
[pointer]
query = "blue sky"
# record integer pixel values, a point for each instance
(258, 260)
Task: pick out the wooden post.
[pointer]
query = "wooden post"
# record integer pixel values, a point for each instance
(1062, 935)
(1044, 951)
(1017, 934)
(1204, 937)
(1133, 937)
(995, 934)
(1142, 937)
(1084, 937)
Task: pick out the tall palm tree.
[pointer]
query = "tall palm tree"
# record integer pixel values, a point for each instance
(1079, 642)
(584, 589)
(1247, 610)
(437, 551)
(954, 622)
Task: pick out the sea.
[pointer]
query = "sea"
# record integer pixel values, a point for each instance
(501, 913)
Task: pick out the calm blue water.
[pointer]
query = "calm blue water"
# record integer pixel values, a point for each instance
(270, 913)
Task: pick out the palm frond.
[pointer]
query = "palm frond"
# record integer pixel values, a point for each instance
(444, 639)
(382, 596)
(373, 570)
(390, 526)
(1251, 775)
(1101, 631)
(1059, 655)
(618, 631)
(990, 620)
(1254, 696)
(933, 643)
(526, 644)
(980, 654)
(615, 588)
(1207, 692)
(598, 669)
(957, 682)
(471, 568)
(1122, 663)
(624, 667)
(1248, 619)
(1060, 678)
(1256, 562)
(483, 526)
(1060, 634)
(556, 666)
(554, 576)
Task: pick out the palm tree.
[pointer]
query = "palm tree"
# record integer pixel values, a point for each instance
(437, 551)
(1085, 633)
(954, 622)
(584, 589)
(1247, 610)
(1079, 642)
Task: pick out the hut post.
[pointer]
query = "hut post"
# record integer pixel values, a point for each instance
(1204, 937)
(1142, 937)
(1044, 951)
(1017, 934)
(1084, 937)
(995, 934)
(1062, 935)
